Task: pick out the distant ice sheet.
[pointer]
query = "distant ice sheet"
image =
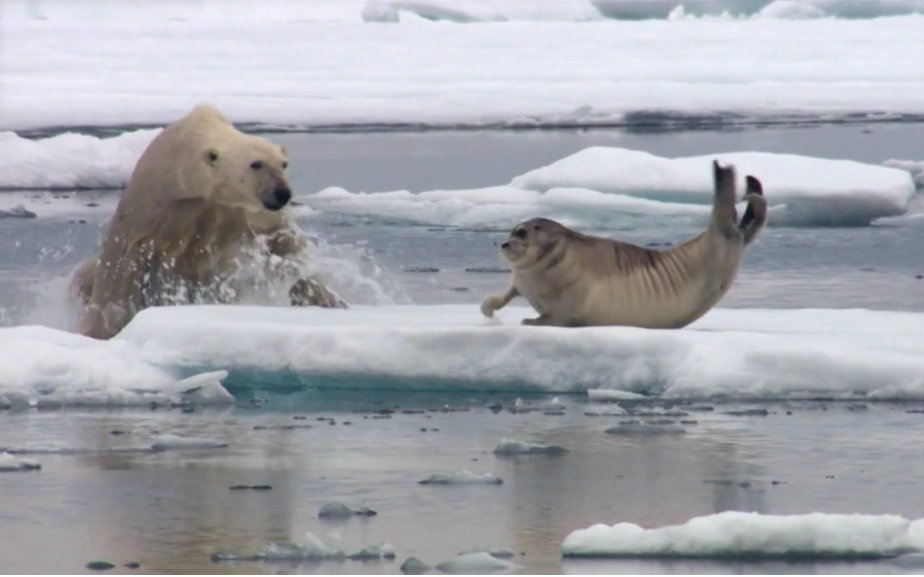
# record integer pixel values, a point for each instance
(734, 534)
(118, 63)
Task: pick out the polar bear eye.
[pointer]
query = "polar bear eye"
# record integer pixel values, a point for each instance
(285, 165)
(256, 165)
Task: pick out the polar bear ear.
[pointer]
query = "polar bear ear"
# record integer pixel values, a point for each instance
(210, 156)
(285, 151)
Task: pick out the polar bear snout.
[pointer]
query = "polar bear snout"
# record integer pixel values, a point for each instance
(277, 199)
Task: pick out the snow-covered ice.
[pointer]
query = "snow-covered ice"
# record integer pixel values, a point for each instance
(736, 353)
(45, 367)
(800, 189)
(70, 160)
(734, 534)
(282, 64)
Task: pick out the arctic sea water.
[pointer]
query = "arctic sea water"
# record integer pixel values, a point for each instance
(778, 434)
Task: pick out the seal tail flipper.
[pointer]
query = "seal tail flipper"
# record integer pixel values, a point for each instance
(724, 213)
(755, 215)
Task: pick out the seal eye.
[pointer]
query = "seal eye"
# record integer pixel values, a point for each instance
(256, 165)
(520, 233)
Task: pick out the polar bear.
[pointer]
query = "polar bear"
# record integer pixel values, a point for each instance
(200, 196)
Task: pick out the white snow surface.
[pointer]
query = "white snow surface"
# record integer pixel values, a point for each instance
(734, 353)
(320, 64)
(732, 534)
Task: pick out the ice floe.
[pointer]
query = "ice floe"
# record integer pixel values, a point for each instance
(736, 353)
(729, 353)
(734, 534)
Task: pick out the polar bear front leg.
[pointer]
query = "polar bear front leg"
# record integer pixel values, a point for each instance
(493, 303)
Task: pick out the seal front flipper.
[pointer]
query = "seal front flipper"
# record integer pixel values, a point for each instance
(493, 303)
(755, 215)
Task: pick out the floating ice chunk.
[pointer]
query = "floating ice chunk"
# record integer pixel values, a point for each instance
(336, 510)
(736, 534)
(383, 551)
(639, 428)
(815, 191)
(515, 447)
(203, 389)
(497, 552)
(18, 211)
(177, 442)
(463, 477)
(11, 463)
(736, 353)
(471, 563)
(414, 566)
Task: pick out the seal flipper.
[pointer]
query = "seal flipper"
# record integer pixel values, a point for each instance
(724, 213)
(755, 216)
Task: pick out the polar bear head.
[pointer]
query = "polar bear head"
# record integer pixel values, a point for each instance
(249, 173)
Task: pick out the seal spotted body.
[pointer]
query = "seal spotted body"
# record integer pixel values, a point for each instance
(574, 280)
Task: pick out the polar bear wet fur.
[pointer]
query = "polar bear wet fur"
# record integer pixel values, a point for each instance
(201, 192)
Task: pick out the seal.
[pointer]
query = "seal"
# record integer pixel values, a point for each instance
(575, 280)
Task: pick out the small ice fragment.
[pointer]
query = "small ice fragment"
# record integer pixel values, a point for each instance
(414, 566)
(492, 551)
(205, 389)
(471, 563)
(335, 511)
(515, 447)
(636, 428)
(165, 442)
(369, 553)
(462, 477)
(10, 463)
